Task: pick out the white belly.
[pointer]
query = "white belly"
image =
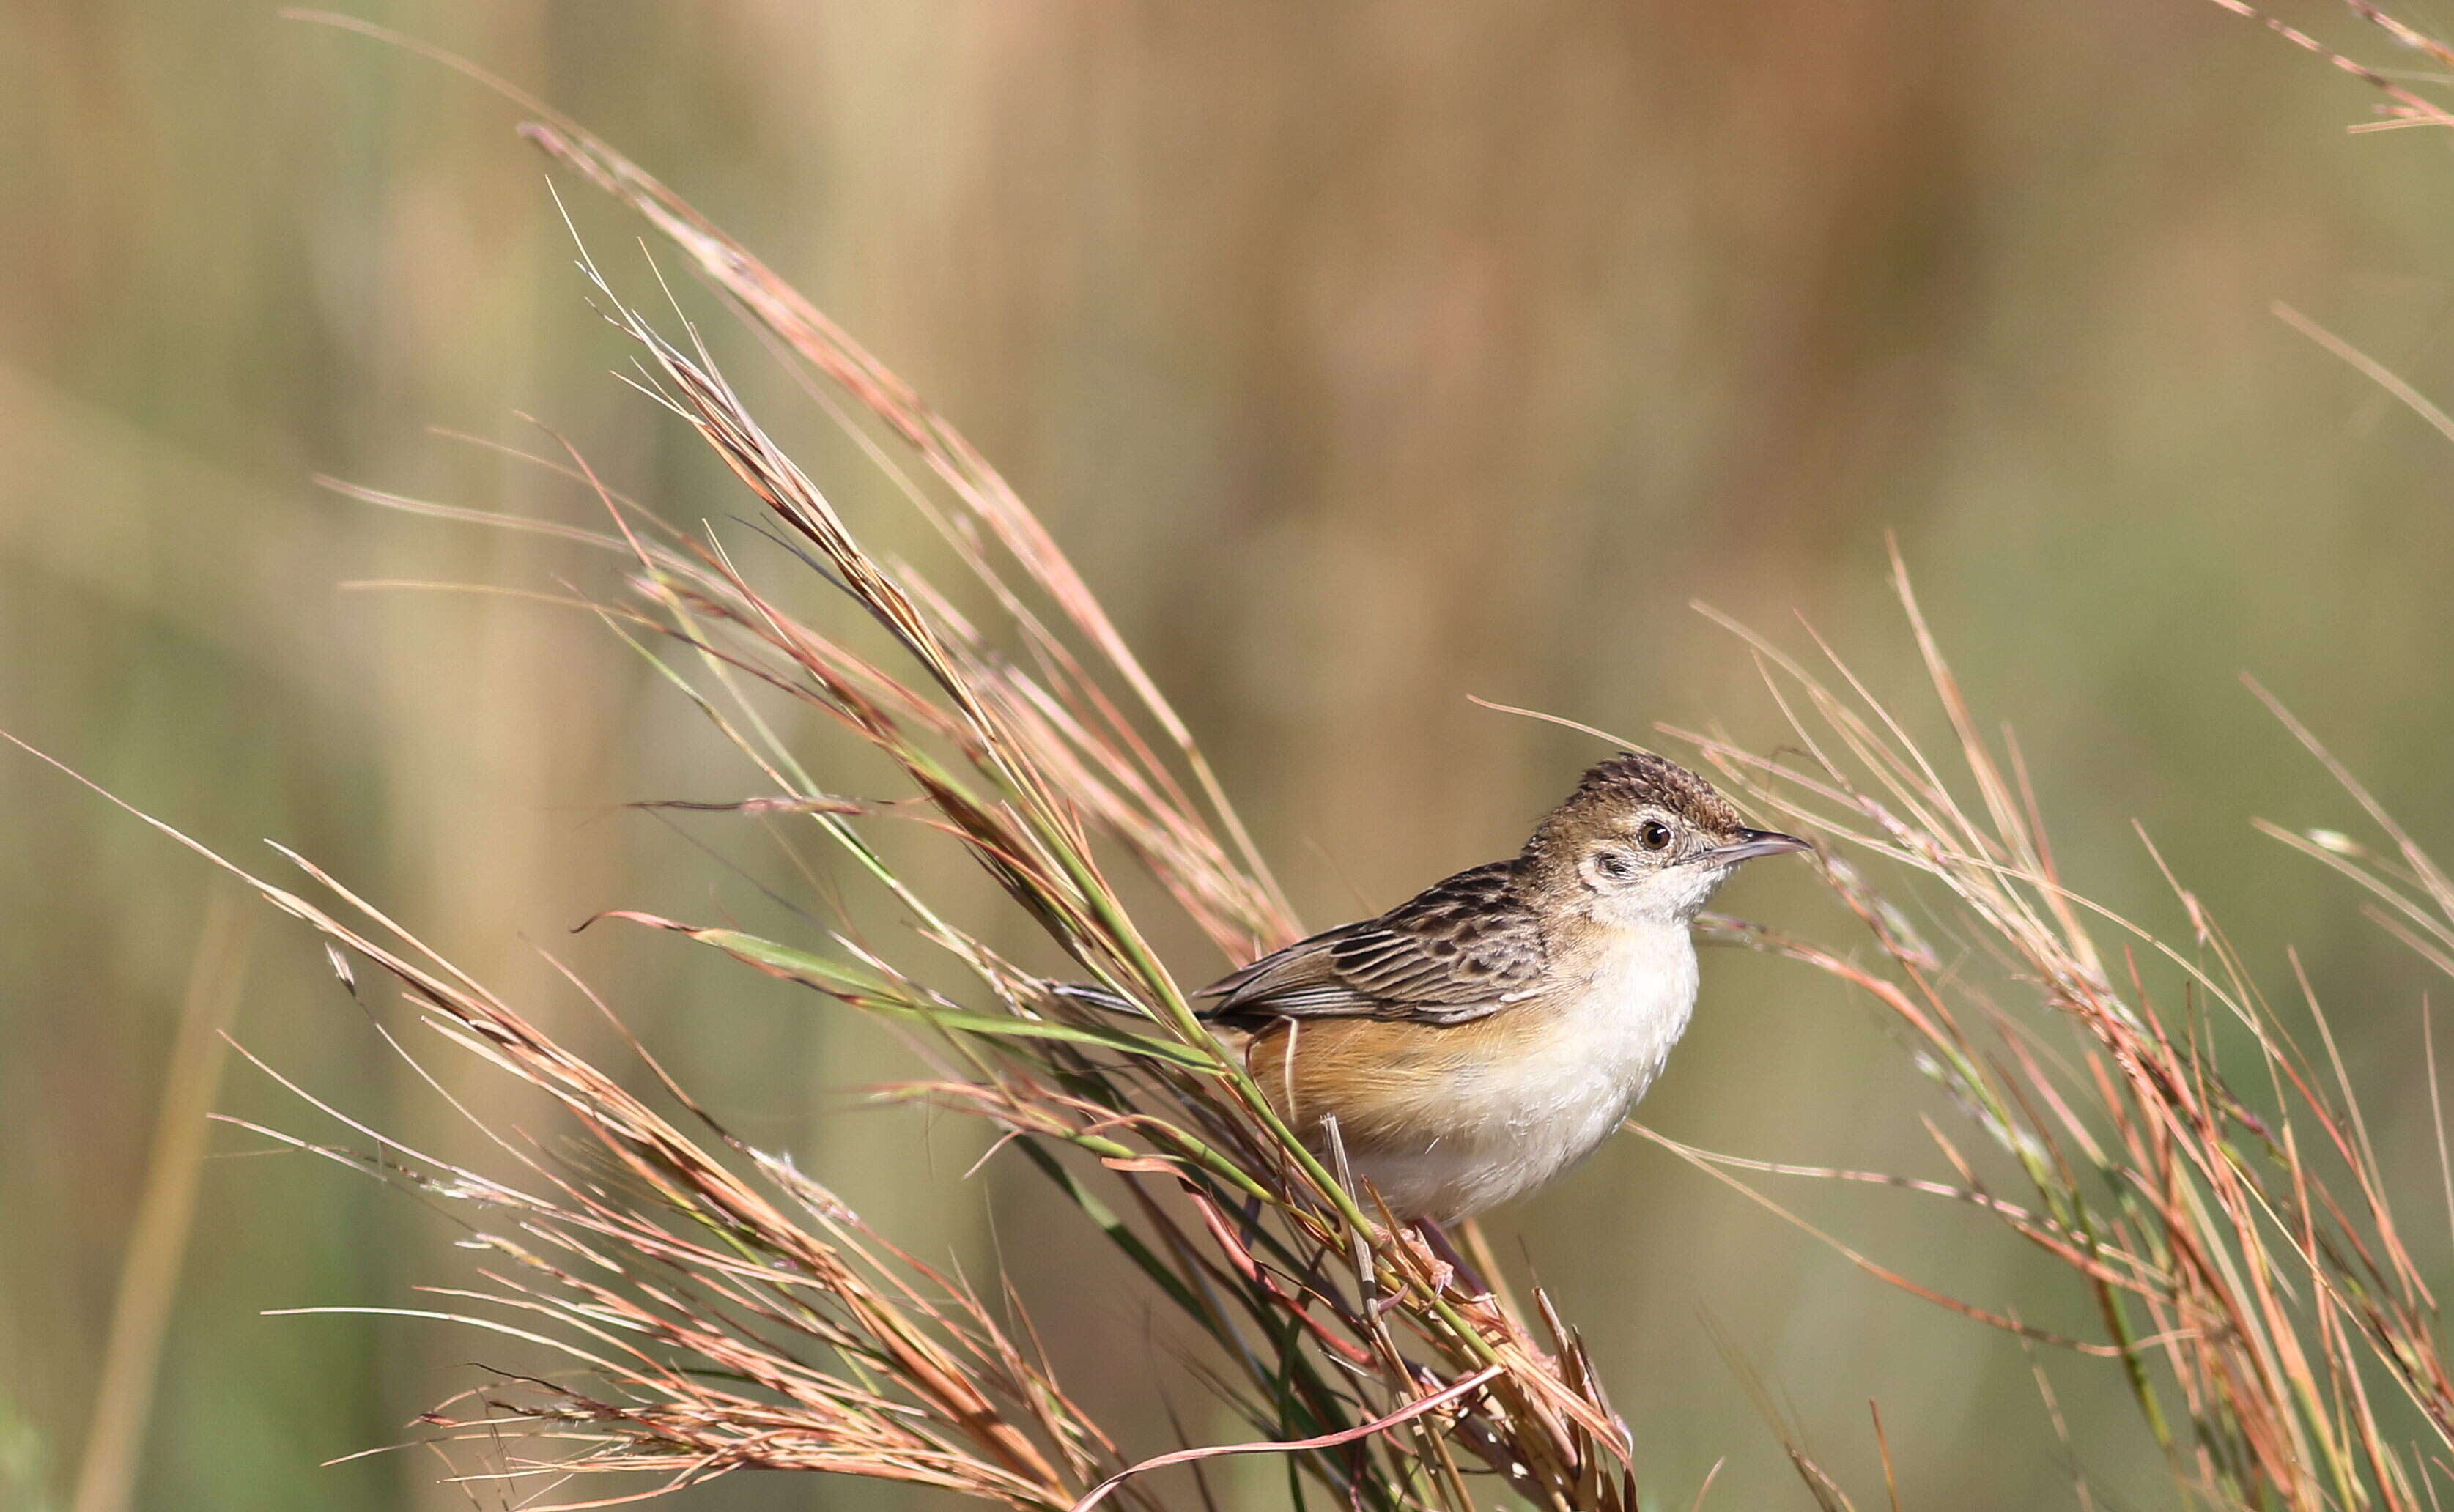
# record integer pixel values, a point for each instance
(1517, 1123)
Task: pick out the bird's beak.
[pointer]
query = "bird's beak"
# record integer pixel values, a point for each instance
(1751, 844)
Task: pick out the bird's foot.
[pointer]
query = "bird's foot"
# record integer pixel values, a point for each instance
(1431, 1247)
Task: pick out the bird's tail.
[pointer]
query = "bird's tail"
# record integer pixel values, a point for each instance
(1092, 995)
(1107, 999)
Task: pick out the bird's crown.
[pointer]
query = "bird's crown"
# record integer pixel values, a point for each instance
(1636, 779)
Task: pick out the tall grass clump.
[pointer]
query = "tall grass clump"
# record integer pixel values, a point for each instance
(714, 1308)
(2224, 1215)
(2137, 1106)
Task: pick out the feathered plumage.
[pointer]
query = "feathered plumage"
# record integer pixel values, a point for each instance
(1482, 1036)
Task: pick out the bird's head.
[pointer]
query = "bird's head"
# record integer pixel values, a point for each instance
(1643, 842)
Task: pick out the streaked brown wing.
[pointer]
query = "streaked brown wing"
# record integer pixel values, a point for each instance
(1464, 947)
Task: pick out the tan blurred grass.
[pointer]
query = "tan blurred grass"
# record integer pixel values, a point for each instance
(1367, 361)
(149, 1277)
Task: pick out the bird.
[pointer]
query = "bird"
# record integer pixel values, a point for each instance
(1473, 1043)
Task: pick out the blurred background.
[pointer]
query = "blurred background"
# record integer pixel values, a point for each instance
(1366, 358)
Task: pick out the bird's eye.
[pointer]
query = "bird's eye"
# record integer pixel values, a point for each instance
(1653, 835)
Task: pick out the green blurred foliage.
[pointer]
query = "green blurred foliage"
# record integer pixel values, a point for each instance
(1367, 358)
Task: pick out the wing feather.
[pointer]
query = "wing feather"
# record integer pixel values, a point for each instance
(1464, 948)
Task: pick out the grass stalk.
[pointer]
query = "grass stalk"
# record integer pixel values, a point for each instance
(157, 1242)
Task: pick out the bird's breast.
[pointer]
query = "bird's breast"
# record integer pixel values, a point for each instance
(1452, 1120)
(1606, 1040)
